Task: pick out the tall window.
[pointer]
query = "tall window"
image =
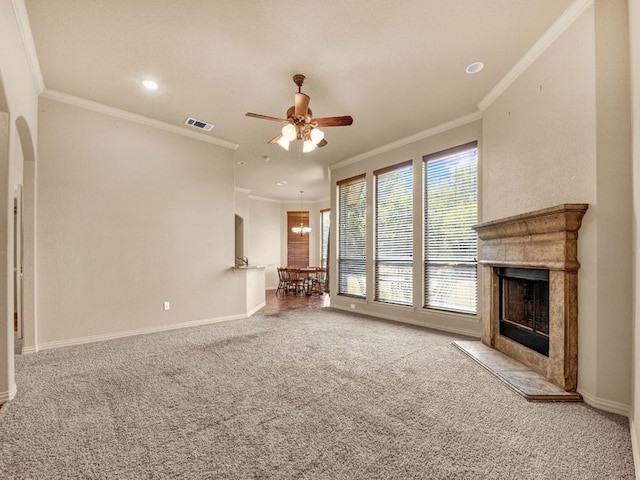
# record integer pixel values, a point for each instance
(297, 245)
(451, 208)
(325, 221)
(394, 234)
(352, 237)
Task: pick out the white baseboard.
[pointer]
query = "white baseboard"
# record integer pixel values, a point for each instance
(606, 405)
(635, 446)
(8, 396)
(131, 333)
(471, 332)
(254, 310)
(27, 350)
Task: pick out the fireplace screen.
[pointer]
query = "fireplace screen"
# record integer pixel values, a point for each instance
(524, 307)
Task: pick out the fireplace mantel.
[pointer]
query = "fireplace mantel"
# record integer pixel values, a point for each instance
(546, 239)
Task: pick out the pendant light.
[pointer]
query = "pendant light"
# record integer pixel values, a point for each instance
(301, 230)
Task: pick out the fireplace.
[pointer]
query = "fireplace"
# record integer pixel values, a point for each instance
(530, 290)
(524, 307)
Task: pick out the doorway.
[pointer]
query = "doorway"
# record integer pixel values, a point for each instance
(18, 271)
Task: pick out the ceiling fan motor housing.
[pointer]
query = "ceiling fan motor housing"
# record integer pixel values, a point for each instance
(298, 79)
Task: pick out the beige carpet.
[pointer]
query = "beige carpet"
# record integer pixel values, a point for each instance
(310, 394)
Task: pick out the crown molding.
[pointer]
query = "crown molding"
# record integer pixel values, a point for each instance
(132, 117)
(557, 28)
(287, 202)
(563, 22)
(264, 199)
(458, 122)
(26, 35)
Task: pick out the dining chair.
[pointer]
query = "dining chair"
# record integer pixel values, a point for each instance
(294, 282)
(318, 281)
(282, 280)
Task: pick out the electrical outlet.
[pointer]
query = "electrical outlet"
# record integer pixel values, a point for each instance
(353, 305)
(166, 305)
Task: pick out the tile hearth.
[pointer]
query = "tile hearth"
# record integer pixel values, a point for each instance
(520, 378)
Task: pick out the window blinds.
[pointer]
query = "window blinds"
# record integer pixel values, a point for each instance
(394, 235)
(451, 208)
(297, 245)
(352, 237)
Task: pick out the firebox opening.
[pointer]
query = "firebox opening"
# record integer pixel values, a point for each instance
(524, 307)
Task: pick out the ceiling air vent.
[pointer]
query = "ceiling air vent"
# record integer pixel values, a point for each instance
(207, 127)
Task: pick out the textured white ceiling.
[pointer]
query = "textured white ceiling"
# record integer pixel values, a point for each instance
(396, 67)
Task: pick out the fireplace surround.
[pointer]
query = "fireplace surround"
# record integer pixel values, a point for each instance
(544, 240)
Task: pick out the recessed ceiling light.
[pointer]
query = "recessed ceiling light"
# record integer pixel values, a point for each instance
(281, 183)
(149, 84)
(475, 67)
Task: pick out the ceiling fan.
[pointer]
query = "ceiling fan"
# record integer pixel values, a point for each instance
(300, 124)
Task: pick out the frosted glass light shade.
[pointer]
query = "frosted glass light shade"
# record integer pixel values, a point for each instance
(289, 132)
(316, 135)
(284, 143)
(308, 146)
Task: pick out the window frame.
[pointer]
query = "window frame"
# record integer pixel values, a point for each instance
(357, 269)
(389, 286)
(325, 226)
(469, 263)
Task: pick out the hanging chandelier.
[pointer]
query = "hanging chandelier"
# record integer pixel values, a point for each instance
(301, 230)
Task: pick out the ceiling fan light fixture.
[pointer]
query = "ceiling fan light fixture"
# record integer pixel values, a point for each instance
(284, 143)
(308, 146)
(290, 132)
(317, 136)
(300, 123)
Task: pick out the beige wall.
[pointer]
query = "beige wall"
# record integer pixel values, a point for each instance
(129, 217)
(19, 103)
(614, 187)
(264, 238)
(634, 30)
(559, 134)
(466, 324)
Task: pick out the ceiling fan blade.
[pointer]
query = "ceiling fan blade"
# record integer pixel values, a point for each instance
(275, 139)
(266, 117)
(301, 104)
(332, 121)
(322, 143)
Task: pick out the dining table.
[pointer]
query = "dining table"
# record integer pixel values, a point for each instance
(307, 280)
